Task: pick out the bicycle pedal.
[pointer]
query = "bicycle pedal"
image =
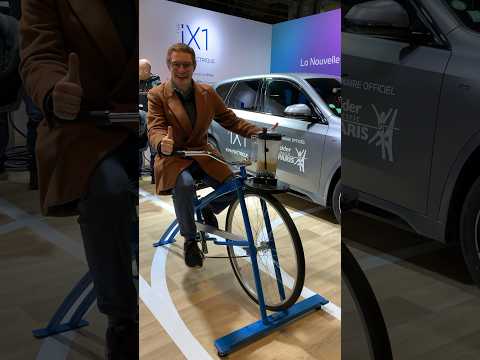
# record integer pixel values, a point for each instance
(202, 236)
(204, 247)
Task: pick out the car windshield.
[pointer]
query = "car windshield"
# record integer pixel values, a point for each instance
(468, 11)
(330, 92)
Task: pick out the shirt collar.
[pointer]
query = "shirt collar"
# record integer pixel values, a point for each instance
(181, 94)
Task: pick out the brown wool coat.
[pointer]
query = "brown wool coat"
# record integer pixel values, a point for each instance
(68, 154)
(165, 109)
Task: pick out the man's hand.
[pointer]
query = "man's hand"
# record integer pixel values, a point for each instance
(274, 126)
(67, 93)
(166, 145)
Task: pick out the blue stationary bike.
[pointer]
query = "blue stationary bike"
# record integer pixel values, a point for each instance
(264, 249)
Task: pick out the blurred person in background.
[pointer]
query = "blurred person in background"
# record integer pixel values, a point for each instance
(147, 81)
(80, 56)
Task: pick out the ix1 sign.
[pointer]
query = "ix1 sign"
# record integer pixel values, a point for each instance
(194, 37)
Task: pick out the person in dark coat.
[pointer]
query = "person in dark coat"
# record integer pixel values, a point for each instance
(79, 56)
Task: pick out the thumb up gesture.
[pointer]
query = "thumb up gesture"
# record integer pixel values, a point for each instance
(67, 93)
(166, 145)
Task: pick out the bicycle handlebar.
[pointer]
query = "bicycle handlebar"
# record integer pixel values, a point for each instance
(193, 153)
(104, 118)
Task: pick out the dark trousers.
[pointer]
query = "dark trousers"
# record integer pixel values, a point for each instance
(35, 116)
(153, 153)
(184, 195)
(109, 227)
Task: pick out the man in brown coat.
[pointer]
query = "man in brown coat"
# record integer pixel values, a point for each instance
(179, 114)
(79, 56)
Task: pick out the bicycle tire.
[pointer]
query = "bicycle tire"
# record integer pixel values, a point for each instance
(367, 305)
(296, 242)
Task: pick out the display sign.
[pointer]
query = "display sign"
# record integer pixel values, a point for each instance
(310, 45)
(226, 46)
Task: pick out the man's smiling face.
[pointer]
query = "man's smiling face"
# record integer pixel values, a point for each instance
(181, 69)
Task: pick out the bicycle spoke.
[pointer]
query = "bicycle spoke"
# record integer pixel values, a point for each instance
(280, 276)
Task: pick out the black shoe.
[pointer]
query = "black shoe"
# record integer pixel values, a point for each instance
(209, 217)
(192, 254)
(122, 341)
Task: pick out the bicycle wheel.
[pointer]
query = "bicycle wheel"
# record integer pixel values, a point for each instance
(280, 255)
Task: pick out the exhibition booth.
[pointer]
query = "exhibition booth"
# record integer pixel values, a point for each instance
(228, 46)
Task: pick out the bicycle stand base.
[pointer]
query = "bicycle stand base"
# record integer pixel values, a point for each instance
(231, 342)
(164, 242)
(45, 332)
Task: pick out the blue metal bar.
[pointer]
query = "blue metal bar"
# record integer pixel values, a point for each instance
(55, 326)
(83, 307)
(273, 249)
(223, 189)
(168, 236)
(243, 172)
(70, 300)
(231, 243)
(229, 343)
(61, 328)
(253, 255)
(198, 212)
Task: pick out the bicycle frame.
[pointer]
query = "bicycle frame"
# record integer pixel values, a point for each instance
(237, 185)
(268, 323)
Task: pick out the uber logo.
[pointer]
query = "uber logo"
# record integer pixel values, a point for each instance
(197, 36)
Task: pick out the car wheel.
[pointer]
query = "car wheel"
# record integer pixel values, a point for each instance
(470, 231)
(336, 198)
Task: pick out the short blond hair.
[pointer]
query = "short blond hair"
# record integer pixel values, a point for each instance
(180, 47)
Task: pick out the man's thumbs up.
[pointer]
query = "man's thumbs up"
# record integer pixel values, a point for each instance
(67, 93)
(167, 143)
(73, 74)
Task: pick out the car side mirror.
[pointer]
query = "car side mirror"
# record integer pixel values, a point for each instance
(378, 13)
(421, 38)
(298, 110)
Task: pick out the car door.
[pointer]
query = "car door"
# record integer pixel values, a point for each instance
(391, 89)
(216, 134)
(303, 142)
(243, 99)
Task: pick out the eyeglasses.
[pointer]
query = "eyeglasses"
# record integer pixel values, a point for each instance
(178, 65)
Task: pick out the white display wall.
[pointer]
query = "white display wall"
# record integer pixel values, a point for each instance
(226, 46)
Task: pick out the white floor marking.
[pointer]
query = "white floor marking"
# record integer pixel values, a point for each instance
(369, 261)
(155, 200)
(38, 224)
(166, 312)
(51, 347)
(156, 298)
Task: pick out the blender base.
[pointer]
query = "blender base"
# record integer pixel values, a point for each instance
(277, 188)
